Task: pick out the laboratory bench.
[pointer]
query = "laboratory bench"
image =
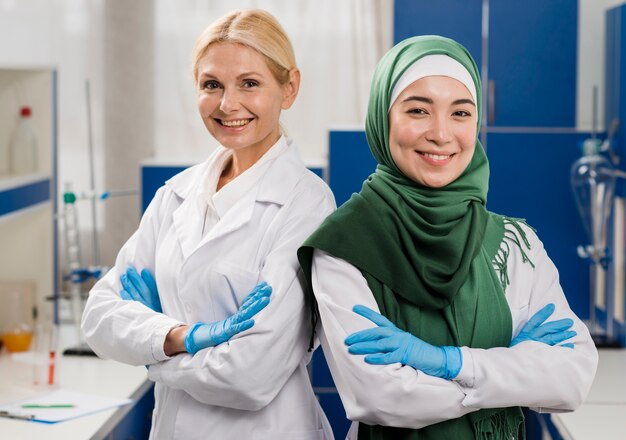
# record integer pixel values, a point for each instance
(86, 374)
(603, 415)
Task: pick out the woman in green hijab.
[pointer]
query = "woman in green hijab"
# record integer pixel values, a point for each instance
(458, 311)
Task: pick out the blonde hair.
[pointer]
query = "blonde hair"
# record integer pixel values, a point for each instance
(256, 29)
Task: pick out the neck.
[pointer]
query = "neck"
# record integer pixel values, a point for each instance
(241, 161)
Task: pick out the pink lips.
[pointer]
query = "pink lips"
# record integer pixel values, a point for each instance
(435, 162)
(233, 128)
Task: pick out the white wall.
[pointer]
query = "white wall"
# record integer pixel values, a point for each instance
(65, 35)
(591, 36)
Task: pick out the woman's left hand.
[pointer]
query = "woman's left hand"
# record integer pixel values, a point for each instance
(141, 288)
(550, 333)
(387, 344)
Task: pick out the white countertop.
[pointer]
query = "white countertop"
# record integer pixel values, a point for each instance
(79, 373)
(603, 415)
(609, 385)
(593, 422)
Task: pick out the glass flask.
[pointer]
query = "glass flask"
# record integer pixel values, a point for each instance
(592, 179)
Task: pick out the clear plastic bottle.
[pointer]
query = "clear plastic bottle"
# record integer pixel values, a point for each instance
(23, 146)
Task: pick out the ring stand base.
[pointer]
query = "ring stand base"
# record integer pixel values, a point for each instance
(80, 350)
(604, 341)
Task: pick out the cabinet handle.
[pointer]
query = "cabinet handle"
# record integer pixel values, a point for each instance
(491, 104)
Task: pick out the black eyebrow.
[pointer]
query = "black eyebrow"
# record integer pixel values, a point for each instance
(419, 98)
(430, 101)
(464, 101)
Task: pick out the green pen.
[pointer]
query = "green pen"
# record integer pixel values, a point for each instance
(52, 405)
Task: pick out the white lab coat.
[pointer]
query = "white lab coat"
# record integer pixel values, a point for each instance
(256, 385)
(531, 374)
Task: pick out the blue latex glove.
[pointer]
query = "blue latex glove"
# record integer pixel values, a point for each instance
(141, 288)
(387, 344)
(551, 333)
(202, 335)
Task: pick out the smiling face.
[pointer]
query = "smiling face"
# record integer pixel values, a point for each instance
(432, 130)
(239, 98)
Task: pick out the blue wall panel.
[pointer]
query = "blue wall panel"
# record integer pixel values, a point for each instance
(532, 52)
(615, 108)
(350, 162)
(532, 59)
(333, 408)
(460, 20)
(530, 179)
(153, 177)
(615, 88)
(137, 423)
(22, 197)
(612, 65)
(325, 390)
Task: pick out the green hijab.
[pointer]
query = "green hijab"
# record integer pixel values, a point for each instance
(428, 254)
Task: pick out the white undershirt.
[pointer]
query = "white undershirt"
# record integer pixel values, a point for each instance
(212, 204)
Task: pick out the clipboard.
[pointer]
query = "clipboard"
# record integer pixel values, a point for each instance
(60, 405)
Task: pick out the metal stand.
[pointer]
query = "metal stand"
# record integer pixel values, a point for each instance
(78, 273)
(593, 179)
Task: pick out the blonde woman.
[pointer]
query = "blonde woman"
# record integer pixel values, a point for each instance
(222, 324)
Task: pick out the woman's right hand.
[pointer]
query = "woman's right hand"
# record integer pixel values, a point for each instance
(202, 335)
(551, 333)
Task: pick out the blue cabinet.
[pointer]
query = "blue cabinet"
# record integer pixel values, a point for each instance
(532, 63)
(530, 179)
(460, 20)
(530, 58)
(615, 86)
(326, 393)
(349, 163)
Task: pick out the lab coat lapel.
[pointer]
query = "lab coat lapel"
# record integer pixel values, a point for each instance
(188, 225)
(187, 219)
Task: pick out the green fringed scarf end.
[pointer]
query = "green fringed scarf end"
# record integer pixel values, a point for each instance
(519, 239)
(504, 425)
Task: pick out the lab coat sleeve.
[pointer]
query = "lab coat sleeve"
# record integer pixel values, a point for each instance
(128, 331)
(248, 371)
(533, 374)
(391, 395)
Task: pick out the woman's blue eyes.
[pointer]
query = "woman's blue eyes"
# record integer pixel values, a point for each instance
(212, 85)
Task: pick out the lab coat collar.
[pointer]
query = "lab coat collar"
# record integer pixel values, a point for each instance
(277, 184)
(274, 186)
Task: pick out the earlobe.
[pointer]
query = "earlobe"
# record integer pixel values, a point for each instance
(291, 88)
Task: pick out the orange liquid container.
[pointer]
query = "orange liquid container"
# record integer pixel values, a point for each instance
(17, 340)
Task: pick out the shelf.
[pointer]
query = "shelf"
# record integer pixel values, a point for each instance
(19, 193)
(28, 222)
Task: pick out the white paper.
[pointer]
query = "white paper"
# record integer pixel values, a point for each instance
(84, 404)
